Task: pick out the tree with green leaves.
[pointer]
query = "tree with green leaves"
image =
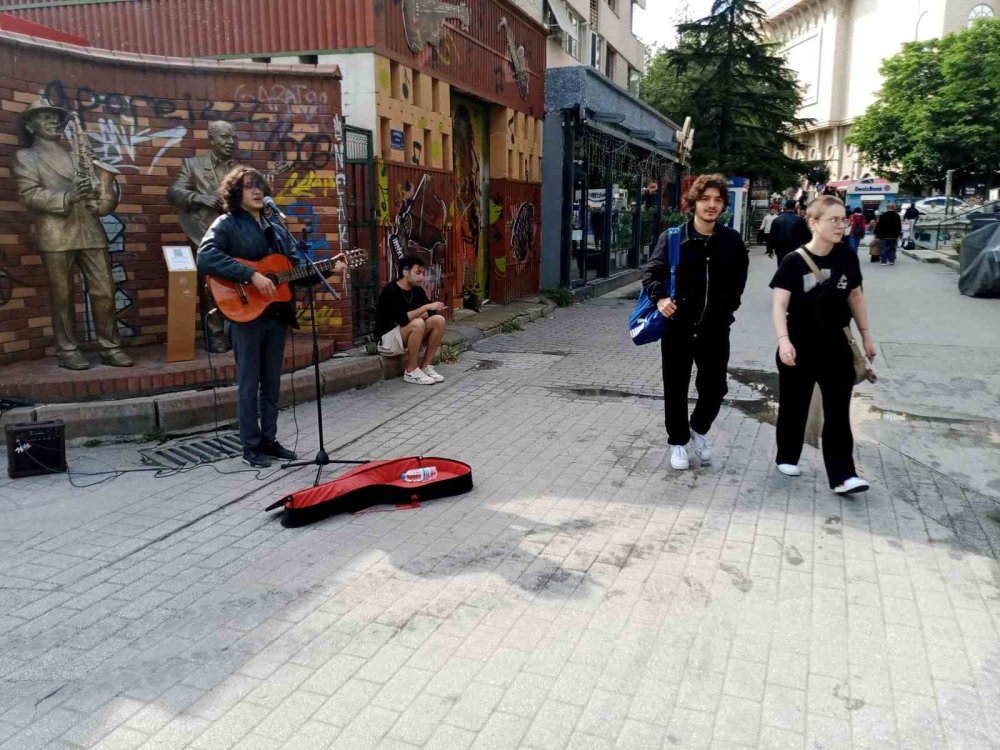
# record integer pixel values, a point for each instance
(937, 109)
(736, 87)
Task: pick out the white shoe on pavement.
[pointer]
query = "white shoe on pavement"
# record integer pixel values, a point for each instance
(418, 377)
(433, 374)
(850, 486)
(701, 447)
(679, 458)
(790, 470)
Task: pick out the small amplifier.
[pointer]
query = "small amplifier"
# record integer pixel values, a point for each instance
(35, 448)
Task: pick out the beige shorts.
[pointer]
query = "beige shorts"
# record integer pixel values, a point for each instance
(391, 343)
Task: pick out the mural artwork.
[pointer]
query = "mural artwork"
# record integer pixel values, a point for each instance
(423, 21)
(420, 227)
(468, 127)
(522, 232)
(517, 64)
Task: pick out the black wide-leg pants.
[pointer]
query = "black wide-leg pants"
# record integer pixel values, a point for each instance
(681, 347)
(831, 366)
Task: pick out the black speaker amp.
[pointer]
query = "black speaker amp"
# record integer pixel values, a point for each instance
(35, 448)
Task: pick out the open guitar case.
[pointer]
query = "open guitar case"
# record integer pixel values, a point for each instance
(374, 483)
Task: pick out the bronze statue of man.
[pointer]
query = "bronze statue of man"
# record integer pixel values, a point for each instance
(194, 193)
(65, 205)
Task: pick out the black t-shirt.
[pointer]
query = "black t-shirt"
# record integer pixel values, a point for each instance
(817, 313)
(393, 305)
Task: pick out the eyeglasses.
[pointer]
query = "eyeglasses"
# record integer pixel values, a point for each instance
(253, 185)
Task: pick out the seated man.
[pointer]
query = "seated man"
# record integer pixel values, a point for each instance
(405, 321)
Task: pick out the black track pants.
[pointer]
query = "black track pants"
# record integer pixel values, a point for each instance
(832, 367)
(682, 346)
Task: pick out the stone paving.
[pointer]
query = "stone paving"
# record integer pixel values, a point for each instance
(581, 596)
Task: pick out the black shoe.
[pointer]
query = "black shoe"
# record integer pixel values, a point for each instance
(256, 459)
(274, 449)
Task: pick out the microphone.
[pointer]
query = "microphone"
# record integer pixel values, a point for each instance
(269, 202)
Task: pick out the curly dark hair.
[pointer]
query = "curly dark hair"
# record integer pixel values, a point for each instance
(703, 183)
(231, 188)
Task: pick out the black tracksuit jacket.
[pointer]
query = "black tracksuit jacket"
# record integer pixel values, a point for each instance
(711, 276)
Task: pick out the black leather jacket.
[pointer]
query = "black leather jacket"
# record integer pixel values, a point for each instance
(239, 235)
(711, 276)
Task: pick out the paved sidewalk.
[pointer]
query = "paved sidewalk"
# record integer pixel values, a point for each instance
(581, 596)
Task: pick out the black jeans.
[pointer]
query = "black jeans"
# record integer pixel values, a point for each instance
(831, 365)
(259, 347)
(708, 348)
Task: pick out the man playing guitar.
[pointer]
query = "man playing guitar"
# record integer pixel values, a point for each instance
(246, 232)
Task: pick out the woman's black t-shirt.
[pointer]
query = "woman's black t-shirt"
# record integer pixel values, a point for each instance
(818, 312)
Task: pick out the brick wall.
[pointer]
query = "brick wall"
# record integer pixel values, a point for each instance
(144, 115)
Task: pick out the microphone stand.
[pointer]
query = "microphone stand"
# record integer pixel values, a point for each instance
(322, 458)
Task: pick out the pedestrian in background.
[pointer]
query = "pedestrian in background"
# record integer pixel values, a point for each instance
(765, 229)
(809, 311)
(888, 230)
(789, 232)
(710, 279)
(859, 227)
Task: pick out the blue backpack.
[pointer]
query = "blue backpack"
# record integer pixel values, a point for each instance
(646, 324)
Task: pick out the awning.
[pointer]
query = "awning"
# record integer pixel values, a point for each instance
(559, 12)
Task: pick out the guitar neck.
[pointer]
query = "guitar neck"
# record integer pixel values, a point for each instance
(305, 270)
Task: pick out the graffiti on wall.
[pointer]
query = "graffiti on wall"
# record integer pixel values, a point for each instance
(419, 229)
(114, 122)
(340, 181)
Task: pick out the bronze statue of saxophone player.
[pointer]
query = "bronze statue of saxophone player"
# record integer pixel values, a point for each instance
(65, 196)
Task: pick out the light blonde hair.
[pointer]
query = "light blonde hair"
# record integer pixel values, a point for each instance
(818, 206)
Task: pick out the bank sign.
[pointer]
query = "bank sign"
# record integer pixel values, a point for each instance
(865, 188)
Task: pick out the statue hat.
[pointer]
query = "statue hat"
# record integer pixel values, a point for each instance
(24, 137)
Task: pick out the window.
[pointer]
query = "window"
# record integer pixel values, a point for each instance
(595, 50)
(980, 11)
(634, 77)
(613, 4)
(610, 60)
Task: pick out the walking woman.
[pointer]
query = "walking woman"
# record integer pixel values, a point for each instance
(809, 316)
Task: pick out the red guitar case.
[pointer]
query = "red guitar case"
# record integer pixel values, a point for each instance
(374, 483)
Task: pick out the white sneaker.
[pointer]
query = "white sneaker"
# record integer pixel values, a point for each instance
(790, 470)
(418, 377)
(701, 447)
(850, 486)
(433, 374)
(679, 457)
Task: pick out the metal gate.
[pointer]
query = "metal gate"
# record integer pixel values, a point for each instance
(359, 156)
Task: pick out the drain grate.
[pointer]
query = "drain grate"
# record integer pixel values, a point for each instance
(191, 451)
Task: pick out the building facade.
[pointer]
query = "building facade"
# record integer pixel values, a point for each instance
(607, 153)
(837, 47)
(451, 92)
(597, 33)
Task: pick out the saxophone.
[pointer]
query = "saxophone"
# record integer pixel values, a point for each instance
(101, 176)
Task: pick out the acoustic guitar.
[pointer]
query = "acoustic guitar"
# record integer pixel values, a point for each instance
(242, 302)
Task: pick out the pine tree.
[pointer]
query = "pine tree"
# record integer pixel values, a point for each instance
(738, 91)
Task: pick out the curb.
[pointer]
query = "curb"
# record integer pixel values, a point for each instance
(191, 410)
(932, 256)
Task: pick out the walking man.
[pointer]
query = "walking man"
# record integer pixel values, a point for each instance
(789, 232)
(711, 276)
(888, 230)
(406, 322)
